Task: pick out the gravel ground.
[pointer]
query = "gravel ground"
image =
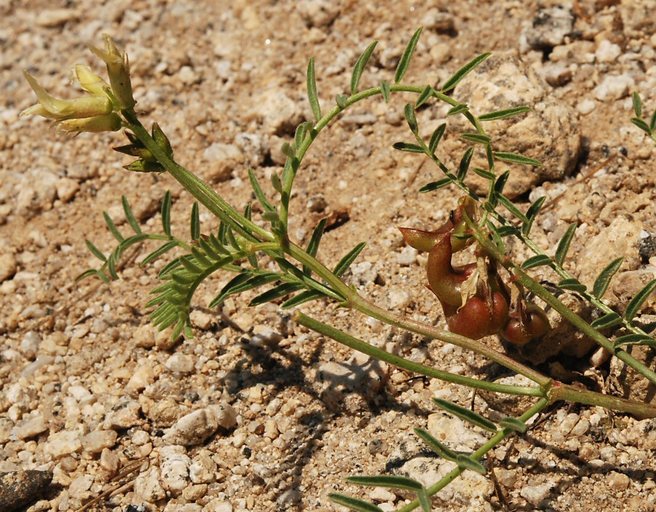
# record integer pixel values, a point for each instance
(256, 413)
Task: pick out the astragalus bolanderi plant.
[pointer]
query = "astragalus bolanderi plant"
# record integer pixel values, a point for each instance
(493, 294)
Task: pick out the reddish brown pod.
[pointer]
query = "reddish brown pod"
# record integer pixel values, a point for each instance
(527, 324)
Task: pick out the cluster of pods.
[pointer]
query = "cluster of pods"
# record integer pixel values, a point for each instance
(475, 299)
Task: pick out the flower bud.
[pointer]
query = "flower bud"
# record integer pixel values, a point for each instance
(89, 81)
(105, 123)
(118, 69)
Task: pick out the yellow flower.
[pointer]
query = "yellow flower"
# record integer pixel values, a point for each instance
(106, 123)
(60, 109)
(91, 82)
(118, 69)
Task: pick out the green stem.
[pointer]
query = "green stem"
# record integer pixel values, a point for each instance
(197, 187)
(382, 355)
(569, 393)
(478, 454)
(288, 182)
(354, 300)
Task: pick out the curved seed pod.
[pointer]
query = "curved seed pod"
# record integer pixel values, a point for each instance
(444, 279)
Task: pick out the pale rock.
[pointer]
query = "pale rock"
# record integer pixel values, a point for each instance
(549, 132)
(382, 494)
(29, 345)
(180, 363)
(201, 319)
(37, 192)
(621, 237)
(218, 505)
(549, 28)
(618, 481)
(556, 74)
(607, 51)
(144, 336)
(56, 17)
(359, 374)
(318, 13)
(407, 256)
(140, 437)
(536, 494)
(454, 432)
(98, 440)
(30, 427)
(193, 493)
(109, 461)
(279, 113)
(8, 266)
(174, 466)
(398, 298)
(363, 272)
(222, 159)
(253, 146)
(193, 428)
(613, 87)
(439, 21)
(62, 443)
(187, 75)
(124, 415)
(147, 486)
(288, 499)
(586, 105)
(79, 488)
(202, 469)
(80, 393)
(66, 189)
(143, 376)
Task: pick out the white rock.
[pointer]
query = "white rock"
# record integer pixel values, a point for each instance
(66, 189)
(536, 494)
(613, 87)
(62, 443)
(147, 486)
(174, 465)
(202, 469)
(143, 376)
(193, 428)
(144, 336)
(96, 441)
(439, 21)
(30, 427)
(398, 298)
(30, 345)
(318, 13)
(222, 158)
(56, 17)
(278, 112)
(124, 415)
(8, 266)
(454, 432)
(618, 481)
(79, 488)
(549, 28)
(407, 257)
(218, 505)
(607, 51)
(180, 363)
(586, 106)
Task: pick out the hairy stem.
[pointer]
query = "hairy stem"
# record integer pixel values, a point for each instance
(382, 355)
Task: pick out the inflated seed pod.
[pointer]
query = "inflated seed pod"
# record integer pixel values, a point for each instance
(529, 324)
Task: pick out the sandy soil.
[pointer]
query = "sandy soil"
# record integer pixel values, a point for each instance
(90, 391)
